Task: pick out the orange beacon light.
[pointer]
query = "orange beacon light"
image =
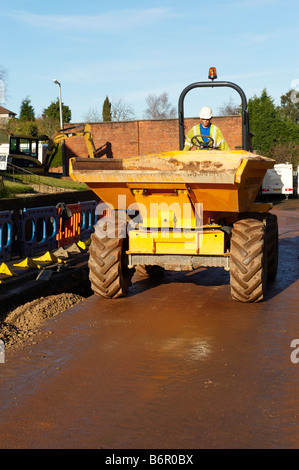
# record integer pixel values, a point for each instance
(212, 73)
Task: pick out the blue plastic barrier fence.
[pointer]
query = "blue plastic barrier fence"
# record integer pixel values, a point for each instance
(89, 218)
(39, 226)
(6, 232)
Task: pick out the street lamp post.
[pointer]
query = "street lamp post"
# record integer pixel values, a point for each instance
(60, 103)
(61, 127)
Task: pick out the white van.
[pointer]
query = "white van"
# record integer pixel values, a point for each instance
(3, 162)
(278, 180)
(4, 149)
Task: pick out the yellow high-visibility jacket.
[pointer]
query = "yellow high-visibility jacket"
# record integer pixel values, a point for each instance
(216, 134)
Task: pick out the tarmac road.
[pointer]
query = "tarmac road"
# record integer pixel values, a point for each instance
(176, 365)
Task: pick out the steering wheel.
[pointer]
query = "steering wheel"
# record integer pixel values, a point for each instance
(200, 143)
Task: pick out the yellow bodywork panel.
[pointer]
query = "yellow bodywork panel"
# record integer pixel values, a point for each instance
(167, 209)
(181, 242)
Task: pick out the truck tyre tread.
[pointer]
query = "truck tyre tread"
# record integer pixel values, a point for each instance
(109, 275)
(248, 263)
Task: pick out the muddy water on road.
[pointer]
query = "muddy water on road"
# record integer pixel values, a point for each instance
(177, 364)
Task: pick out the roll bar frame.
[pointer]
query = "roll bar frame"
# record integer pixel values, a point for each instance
(212, 84)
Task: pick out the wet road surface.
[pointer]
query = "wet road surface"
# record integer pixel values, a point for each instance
(176, 365)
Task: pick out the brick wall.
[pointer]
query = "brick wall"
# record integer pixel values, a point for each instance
(132, 138)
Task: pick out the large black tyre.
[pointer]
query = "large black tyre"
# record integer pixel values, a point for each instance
(248, 260)
(109, 274)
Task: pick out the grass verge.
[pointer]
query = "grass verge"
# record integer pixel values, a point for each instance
(24, 184)
(11, 189)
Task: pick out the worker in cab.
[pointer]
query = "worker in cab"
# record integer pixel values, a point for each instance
(205, 135)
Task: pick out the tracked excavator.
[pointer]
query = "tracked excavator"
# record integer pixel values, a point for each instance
(37, 154)
(194, 208)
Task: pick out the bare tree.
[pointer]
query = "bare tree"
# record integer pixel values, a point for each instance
(3, 85)
(47, 125)
(92, 115)
(159, 107)
(121, 111)
(286, 152)
(230, 109)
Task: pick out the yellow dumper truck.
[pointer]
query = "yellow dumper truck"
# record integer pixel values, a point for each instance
(181, 210)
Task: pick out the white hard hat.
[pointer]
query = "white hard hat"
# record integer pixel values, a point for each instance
(206, 113)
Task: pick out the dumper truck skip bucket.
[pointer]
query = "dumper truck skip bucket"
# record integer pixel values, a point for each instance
(181, 210)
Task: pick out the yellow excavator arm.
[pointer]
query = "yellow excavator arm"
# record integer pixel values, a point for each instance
(64, 134)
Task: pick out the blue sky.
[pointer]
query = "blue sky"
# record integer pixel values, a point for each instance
(127, 50)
